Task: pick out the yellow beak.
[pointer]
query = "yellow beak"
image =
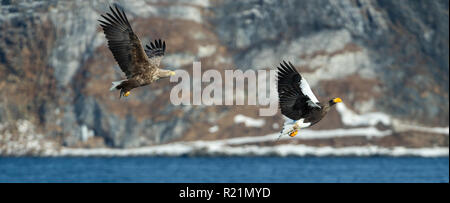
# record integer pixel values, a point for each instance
(337, 100)
(172, 73)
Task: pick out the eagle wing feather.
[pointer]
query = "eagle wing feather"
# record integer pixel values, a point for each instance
(124, 43)
(155, 52)
(295, 96)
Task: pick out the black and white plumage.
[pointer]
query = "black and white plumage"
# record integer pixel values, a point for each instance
(297, 102)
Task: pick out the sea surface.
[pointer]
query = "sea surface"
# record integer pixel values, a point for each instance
(225, 169)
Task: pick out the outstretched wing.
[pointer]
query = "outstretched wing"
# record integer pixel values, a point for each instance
(155, 52)
(295, 95)
(123, 43)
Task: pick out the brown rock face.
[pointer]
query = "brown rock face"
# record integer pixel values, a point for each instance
(378, 56)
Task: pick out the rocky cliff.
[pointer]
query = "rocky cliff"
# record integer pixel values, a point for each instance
(388, 58)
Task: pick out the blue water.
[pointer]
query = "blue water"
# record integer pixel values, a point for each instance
(225, 169)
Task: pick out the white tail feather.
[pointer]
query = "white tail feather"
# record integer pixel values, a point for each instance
(115, 84)
(288, 126)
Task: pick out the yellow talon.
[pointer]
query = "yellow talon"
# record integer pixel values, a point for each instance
(293, 133)
(127, 93)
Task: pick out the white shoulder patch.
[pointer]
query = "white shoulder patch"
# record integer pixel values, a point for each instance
(306, 90)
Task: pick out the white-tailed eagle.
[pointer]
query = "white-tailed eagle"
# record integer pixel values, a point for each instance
(140, 66)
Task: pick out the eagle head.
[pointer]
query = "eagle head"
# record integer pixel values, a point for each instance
(335, 101)
(165, 73)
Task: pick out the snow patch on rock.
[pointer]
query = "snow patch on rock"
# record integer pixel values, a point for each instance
(350, 118)
(248, 121)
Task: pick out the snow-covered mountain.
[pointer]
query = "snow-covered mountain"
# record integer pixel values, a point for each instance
(388, 61)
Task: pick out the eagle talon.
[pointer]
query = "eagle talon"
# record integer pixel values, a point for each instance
(294, 130)
(127, 94)
(293, 133)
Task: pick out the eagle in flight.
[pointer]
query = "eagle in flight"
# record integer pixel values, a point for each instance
(297, 102)
(141, 66)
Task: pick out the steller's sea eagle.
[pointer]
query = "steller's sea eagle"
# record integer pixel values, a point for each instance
(140, 66)
(297, 102)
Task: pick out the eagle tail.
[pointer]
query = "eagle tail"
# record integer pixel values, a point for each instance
(288, 127)
(115, 84)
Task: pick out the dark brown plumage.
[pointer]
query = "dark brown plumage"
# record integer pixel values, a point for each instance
(140, 66)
